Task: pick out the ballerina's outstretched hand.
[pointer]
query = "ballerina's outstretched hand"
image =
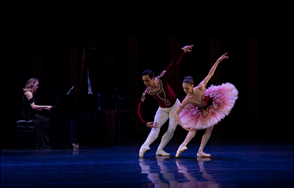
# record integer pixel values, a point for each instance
(224, 56)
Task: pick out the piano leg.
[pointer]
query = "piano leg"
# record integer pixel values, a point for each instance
(73, 131)
(68, 134)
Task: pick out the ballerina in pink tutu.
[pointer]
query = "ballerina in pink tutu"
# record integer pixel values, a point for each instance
(203, 108)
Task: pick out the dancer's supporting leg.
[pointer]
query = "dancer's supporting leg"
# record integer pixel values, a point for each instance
(161, 117)
(204, 140)
(170, 131)
(183, 146)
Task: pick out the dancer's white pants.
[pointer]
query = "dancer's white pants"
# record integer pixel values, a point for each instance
(161, 116)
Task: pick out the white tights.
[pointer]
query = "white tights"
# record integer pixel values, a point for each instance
(204, 140)
(161, 116)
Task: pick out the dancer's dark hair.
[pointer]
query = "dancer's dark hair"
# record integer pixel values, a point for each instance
(188, 80)
(148, 72)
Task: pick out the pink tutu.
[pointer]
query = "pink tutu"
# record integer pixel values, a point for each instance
(222, 98)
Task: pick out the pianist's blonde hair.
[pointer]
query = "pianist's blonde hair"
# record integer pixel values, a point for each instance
(29, 85)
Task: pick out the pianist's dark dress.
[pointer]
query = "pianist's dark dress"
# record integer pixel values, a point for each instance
(41, 123)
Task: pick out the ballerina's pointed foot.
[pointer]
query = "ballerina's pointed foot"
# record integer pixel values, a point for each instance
(202, 154)
(143, 150)
(162, 153)
(180, 151)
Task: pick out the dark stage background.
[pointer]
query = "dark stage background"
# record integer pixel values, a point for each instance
(260, 67)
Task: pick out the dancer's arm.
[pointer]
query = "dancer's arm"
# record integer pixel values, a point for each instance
(213, 68)
(29, 96)
(177, 60)
(140, 112)
(177, 112)
(142, 108)
(143, 116)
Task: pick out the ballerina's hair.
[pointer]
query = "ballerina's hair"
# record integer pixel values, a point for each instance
(29, 85)
(188, 80)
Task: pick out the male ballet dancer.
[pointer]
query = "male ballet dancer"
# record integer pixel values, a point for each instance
(159, 89)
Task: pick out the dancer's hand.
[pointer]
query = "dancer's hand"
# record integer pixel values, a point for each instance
(188, 128)
(223, 57)
(152, 125)
(187, 48)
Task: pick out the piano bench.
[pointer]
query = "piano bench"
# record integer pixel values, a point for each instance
(24, 128)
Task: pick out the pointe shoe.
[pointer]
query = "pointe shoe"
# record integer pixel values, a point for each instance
(162, 153)
(143, 150)
(202, 154)
(180, 151)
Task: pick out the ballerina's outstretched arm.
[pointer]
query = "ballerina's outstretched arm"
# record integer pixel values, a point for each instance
(177, 113)
(213, 68)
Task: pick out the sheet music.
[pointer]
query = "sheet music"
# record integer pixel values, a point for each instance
(70, 89)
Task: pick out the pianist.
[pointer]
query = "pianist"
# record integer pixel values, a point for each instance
(29, 109)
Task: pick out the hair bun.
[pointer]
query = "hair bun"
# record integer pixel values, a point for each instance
(189, 80)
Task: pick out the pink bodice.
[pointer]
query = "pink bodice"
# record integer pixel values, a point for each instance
(199, 98)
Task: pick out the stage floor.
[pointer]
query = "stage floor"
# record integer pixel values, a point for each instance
(233, 164)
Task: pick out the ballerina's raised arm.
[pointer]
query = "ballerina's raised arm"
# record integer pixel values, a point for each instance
(213, 68)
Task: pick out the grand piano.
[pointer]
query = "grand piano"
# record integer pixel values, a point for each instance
(71, 108)
(85, 105)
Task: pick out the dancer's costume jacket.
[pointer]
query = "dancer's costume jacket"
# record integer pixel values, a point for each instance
(165, 96)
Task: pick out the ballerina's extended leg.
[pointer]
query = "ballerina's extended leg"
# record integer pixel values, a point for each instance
(183, 146)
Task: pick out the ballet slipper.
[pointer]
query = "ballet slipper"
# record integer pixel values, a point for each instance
(180, 150)
(143, 150)
(162, 153)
